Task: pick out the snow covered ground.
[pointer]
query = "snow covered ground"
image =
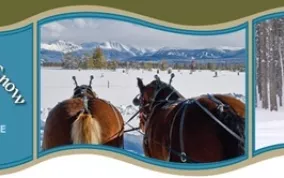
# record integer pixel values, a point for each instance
(57, 85)
(269, 127)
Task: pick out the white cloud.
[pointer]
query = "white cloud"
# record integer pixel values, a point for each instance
(54, 30)
(54, 27)
(80, 23)
(81, 30)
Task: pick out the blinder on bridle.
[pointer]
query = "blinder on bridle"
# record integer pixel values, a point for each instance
(137, 101)
(83, 89)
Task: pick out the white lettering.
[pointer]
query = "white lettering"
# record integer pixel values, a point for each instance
(2, 69)
(3, 129)
(5, 79)
(18, 100)
(15, 93)
(11, 85)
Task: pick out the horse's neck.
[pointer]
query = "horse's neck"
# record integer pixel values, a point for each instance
(89, 97)
(178, 95)
(168, 100)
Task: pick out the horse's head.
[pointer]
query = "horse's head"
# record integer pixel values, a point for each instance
(151, 94)
(83, 90)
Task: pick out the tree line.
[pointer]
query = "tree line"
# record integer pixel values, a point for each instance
(269, 63)
(98, 61)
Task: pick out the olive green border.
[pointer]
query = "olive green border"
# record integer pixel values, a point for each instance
(186, 12)
(251, 159)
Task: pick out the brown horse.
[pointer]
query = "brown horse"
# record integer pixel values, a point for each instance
(83, 119)
(204, 129)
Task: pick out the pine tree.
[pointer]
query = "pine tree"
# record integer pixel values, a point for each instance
(70, 61)
(90, 63)
(113, 65)
(147, 66)
(99, 60)
(163, 65)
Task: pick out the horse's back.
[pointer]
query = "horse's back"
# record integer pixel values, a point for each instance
(201, 134)
(59, 122)
(109, 118)
(58, 127)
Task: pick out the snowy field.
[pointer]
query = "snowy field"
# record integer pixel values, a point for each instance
(269, 127)
(57, 85)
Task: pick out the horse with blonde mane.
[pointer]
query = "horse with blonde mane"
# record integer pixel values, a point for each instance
(83, 119)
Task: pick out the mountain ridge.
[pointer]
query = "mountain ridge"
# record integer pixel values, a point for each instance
(54, 51)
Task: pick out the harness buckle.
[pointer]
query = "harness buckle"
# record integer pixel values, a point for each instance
(183, 157)
(221, 108)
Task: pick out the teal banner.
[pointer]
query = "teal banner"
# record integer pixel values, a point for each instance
(16, 97)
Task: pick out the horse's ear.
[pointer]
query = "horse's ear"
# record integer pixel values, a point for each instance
(140, 83)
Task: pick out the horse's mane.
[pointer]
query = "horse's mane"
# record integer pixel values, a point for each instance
(236, 123)
(164, 87)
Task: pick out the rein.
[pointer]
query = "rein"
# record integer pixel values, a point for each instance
(131, 118)
(182, 154)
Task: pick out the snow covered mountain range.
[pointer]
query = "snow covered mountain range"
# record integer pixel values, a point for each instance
(54, 51)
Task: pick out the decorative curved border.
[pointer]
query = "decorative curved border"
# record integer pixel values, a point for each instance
(101, 15)
(254, 22)
(28, 158)
(18, 30)
(16, 163)
(104, 9)
(118, 17)
(155, 162)
(262, 155)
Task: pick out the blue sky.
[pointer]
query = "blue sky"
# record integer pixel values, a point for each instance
(82, 30)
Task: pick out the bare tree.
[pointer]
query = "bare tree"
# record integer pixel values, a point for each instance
(272, 59)
(269, 61)
(263, 64)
